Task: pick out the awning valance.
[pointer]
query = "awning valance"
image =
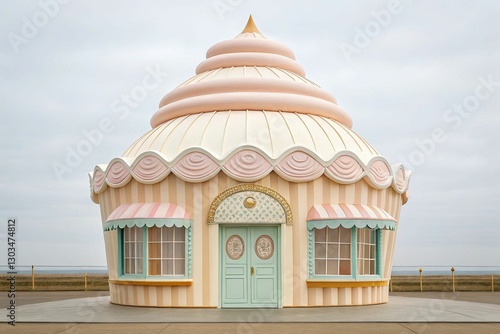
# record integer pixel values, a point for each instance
(147, 214)
(348, 216)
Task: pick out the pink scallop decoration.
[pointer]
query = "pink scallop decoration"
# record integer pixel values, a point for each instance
(379, 173)
(98, 180)
(400, 179)
(299, 167)
(247, 166)
(195, 167)
(117, 173)
(346, 168)
(149, 169)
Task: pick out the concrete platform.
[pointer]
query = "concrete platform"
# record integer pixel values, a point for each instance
(398, 310)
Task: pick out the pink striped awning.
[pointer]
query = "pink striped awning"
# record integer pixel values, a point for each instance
(148, 210)
(149, 214)
(349, 215)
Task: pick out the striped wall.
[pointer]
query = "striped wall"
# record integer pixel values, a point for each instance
(196, 198)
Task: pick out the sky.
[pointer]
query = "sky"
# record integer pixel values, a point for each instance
(421, 80)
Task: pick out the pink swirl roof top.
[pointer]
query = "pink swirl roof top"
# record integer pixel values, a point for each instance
(249, 72)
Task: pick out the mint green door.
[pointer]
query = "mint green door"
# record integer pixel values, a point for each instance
(249, 263)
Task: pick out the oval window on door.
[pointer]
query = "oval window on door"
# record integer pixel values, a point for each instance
(235, 247)
(264, 247)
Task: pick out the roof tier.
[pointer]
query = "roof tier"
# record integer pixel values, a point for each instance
(249, 72)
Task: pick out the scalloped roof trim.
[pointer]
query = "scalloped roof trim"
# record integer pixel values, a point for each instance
(249, 165)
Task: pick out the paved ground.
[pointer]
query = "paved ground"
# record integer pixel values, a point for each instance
(256, 328)
(60, 312)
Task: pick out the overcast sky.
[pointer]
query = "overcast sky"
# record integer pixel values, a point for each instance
(421, 80)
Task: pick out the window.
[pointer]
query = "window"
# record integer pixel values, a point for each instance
(155, 251)
(132, 250)
(343, 252)
(367, 244)
(332, 249)
(166, 250)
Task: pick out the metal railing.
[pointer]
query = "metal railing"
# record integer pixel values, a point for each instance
(466, 270)
(54, 269)
(407, 271)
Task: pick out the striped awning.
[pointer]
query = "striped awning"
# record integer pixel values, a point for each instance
(149, 214)
(349, 215)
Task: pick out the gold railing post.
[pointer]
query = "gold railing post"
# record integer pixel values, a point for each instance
(453, 278)
(391, 284)
(492, 283)
(85, 281)
(32, 277)
(421, 288)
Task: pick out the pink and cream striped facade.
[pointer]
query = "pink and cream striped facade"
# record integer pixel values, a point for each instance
(249, 121)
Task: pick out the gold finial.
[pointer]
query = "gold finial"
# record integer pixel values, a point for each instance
(251, 27)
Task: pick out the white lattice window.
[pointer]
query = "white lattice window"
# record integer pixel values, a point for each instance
(132, 250)
(166, 251)
(332, 250)
(367, 251)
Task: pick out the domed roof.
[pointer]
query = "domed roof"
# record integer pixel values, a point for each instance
(248, 111)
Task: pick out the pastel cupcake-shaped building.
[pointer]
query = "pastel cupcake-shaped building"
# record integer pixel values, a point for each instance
(250, 190)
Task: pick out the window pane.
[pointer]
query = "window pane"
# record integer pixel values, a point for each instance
(333, 251)
(179, 233)
(320, 250)
(168, 233)
(179, 250)
(139, 266)
(345, 235)
(333, 235)
(139, 249)
(345, 267)
(345, 251)
(320, 267)
(366, 267)
(168, 250)
(320, 235)
(332, 267)
(179, 267)
(132, 250)
(168, 267)
(154, 250)
(128, 267)
(154, 267)
(154, 234)
(373, 270)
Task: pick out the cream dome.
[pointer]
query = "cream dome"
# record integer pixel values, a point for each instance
(248, 111)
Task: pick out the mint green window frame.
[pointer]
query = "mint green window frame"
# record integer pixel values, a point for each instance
(145, 224)
(376, 225)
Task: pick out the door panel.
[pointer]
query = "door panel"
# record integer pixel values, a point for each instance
(235, 266)
(264, 259)
(250, 258)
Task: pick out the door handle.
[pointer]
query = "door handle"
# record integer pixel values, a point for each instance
(251, 271)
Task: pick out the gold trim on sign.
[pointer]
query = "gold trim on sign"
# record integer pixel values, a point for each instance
(185, 282)
(344, 284)
(250, 187)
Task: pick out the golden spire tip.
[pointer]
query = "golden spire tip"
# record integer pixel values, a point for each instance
(251, 27)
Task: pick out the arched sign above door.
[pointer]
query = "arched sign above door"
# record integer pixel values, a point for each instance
(249, 204)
